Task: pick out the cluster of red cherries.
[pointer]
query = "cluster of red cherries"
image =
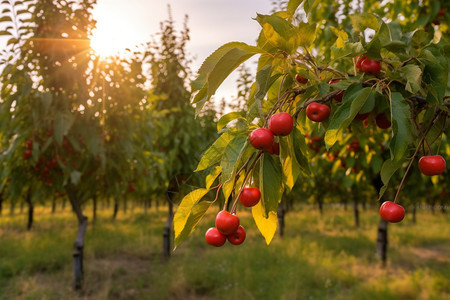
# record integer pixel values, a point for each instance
(228, 225)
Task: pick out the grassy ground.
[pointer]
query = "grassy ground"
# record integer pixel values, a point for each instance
(319, 258)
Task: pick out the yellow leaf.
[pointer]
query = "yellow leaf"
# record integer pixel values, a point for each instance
(267, 226)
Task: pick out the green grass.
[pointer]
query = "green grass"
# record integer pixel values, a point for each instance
(320, 257)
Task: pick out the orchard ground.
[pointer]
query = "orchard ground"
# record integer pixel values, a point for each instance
(320, 257)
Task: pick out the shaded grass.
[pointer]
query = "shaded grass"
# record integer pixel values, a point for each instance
(320, 257)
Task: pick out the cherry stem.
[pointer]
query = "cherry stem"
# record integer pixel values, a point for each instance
(238, 175)
(233, 209)
(414, 156)
(217, 193)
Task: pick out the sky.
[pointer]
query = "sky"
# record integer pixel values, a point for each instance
(212, 23)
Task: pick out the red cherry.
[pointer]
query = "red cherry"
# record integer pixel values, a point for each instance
(237, 237)
(370, 66)
(261, 138)
(441, 12)
(250, 196)
(436, 22)
(354, 146)
(315, 143)
(214, 237)
(432, 165)
(362, 117)
(300, 79)
(275, 149)
(281, 124)
(360, 58)
(338, 96)
(392, 212)
(27, 154)
(226, 222)
(29, 144)
(382, 121)
(317, 112)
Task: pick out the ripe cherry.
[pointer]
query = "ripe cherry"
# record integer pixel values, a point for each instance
(28, 144)
(281, 124)
(362, 117)
(382, 121)
(214, 237)
(432, 165)
(27, 154)
(338, 96)
(226, 222)
(392, 212)
(237, 237)
(370, 66)
(261, 138)
(360, 58)
(317, 112)
(300, 79)
(275, 149)
(250, 196)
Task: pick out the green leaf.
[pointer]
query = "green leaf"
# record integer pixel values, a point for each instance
(363, 21)
(211, 177)
(387, 170)
(231, 156)
(62, 123)
(306, 34)
(214, 153)
(401, 126)
(300, 150)
(354, 98)
(291, 168)
(292, 6)
(188, 214)
(266, 225)
(308, 5)
(281, 33)
(270, 183)
(227, 118)
(264, 81)
(413, 76)
(218, 66)
(46, 101)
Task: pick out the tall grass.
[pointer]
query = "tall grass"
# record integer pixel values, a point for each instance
(320, 257)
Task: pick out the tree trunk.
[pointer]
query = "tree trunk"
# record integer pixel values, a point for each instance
(414, 218)
(125, 206)
(145, 206)
(30, 210)
(382, 240)
(116, 208)
(94, 209)
(280, 216)
(382, 235)
(166, 231)
(78, 245)
(53, 205)
(355, 210)
(319, 200)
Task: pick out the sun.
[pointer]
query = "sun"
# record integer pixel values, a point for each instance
(111, 37)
